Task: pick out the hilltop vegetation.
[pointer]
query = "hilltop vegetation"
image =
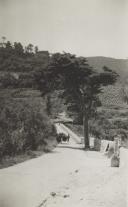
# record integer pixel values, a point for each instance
(24, 123)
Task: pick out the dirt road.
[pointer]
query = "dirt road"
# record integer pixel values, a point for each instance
(66, 177)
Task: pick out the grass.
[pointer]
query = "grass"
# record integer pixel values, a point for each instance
(10, 161)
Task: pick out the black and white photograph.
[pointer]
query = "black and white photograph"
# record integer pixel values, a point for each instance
(63, 103)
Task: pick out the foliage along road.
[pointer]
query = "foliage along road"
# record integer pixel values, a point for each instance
(68, 176)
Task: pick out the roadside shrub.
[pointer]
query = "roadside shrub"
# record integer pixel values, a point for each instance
(24, 126)
(97, 144)
(101, 129)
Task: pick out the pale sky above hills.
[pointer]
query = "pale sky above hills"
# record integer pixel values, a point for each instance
(82, 27)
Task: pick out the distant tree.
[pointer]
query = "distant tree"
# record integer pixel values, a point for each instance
(8, 48)
(81, 85)
(18, 48)
(29, 48)
(36, 49)
(3, 41)
(8, 45)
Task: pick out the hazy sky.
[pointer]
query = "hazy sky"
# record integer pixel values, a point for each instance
(82, 27)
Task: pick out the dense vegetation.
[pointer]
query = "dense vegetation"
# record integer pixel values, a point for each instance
(24, 126)
(24, 80)
(24, 122)
(103, 128)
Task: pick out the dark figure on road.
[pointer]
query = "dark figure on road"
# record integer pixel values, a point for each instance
(62, 137)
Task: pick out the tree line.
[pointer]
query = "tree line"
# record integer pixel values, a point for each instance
(17, 47)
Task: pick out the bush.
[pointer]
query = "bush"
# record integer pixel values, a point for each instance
(24, 126)
(101, 129)
(105, 128)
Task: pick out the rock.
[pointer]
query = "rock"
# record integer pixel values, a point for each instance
(66, 196)
(110, 152)
(53, 194)
(81, 199)
(115, 161)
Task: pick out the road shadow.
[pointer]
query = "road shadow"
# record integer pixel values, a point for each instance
(76, 148)
(52, 152)
(70, 147)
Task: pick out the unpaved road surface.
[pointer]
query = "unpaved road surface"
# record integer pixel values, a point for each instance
(67, 177)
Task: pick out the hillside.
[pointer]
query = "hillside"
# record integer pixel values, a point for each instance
(17, 75)
(113, 95)
(118, 65)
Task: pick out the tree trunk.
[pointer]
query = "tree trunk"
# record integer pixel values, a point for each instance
(86, 134)
(48, 105)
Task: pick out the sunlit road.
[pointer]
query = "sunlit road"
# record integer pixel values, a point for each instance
(66, 177)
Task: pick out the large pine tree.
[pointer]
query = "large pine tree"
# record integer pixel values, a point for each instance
(80, 84)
